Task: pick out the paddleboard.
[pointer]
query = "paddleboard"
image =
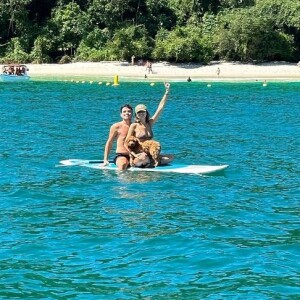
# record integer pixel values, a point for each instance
(175, 168)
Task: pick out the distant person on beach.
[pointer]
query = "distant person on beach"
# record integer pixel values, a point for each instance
(118, 132)
(218, 72)
(298, 64)
(142, 129)
(189, 79)
(149, 67)
(132, 59)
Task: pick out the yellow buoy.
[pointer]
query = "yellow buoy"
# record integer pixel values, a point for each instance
(116, 80)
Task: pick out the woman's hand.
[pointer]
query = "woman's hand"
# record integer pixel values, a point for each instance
(167, 85)
(142, 159)
(141, 155)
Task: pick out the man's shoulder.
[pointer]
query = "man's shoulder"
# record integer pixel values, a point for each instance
(116, 125)
(119, 125)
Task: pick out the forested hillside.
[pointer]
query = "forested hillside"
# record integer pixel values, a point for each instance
(43, 31)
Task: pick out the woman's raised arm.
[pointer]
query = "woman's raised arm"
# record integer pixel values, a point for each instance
(161, 104)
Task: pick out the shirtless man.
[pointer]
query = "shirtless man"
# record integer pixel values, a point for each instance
(118, 132)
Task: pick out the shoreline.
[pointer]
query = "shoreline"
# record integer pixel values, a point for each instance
(275, 71)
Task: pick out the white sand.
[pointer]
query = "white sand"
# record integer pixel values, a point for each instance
(166, 71)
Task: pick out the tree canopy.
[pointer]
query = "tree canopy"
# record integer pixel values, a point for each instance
(170, 30)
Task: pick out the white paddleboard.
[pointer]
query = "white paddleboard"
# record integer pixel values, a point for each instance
(175, 168)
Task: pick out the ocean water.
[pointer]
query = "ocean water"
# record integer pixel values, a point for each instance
(79, 233)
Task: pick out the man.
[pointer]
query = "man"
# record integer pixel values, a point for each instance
(118, 132)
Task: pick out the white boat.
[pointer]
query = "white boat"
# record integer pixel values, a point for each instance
(14, 73)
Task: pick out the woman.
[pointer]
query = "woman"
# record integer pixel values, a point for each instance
(142, 129)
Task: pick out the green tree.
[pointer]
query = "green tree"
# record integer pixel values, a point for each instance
(109, 13)
(114, 29)
(286, 17)
(155, 15)
(41, 48)
(92, 46)
(183, 44)
(128, 41)
(244, 35)
(237, 3)
(15, 24)
(191, 11)
(15, 52)
(184, 10)
(68, 24)
(13, 15)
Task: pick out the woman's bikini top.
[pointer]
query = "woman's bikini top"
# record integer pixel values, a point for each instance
(143, 133)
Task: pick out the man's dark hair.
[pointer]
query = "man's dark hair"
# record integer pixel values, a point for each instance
(126, 105)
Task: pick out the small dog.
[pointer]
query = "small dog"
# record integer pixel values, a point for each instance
(151, 148)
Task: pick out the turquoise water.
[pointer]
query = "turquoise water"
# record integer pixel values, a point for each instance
(79, 233)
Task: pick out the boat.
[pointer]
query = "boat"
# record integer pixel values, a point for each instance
(14, 73)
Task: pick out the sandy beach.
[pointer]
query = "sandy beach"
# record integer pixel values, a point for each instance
(166, 71)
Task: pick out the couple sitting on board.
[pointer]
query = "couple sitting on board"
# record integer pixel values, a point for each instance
(141, 129)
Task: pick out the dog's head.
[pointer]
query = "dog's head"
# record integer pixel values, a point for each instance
(132, 143)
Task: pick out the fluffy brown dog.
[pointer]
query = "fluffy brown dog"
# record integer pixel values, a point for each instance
(151, 148)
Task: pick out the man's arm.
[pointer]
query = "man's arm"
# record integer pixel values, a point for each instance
(109, 143)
